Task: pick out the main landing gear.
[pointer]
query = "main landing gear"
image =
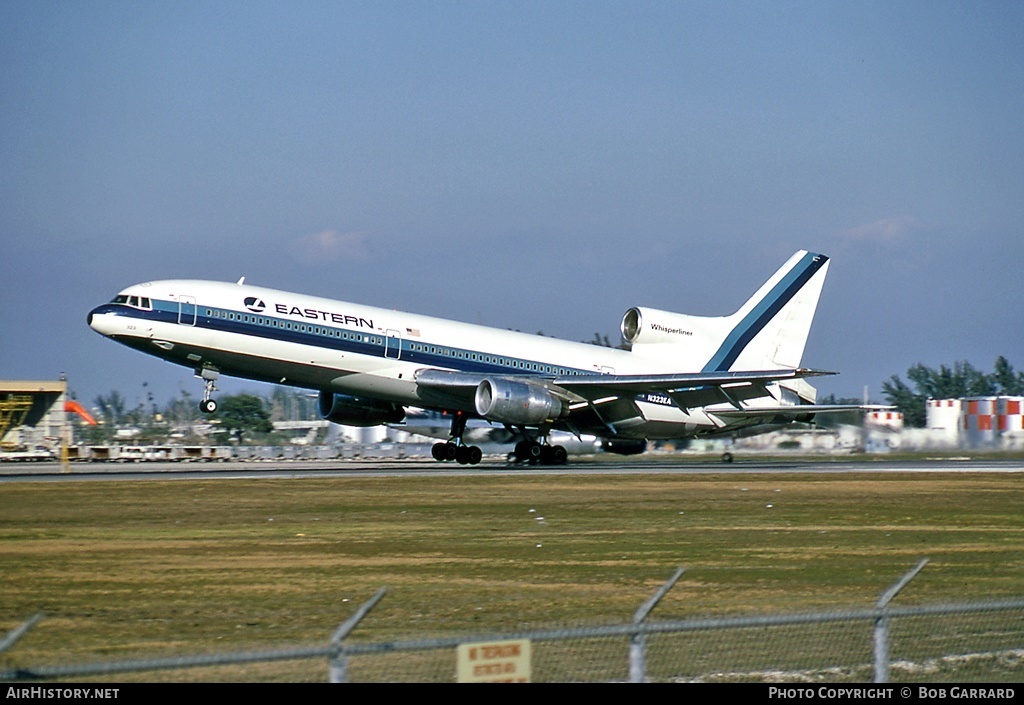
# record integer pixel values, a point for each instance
(209, 376)
(454, 449)
(532, 452)
(464, 455)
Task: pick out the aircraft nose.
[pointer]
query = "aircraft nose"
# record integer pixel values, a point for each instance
(92, 318)
(99, 320)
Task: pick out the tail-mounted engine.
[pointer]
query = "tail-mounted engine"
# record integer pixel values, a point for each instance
(641, 326)
(356, 411)
(510, 401)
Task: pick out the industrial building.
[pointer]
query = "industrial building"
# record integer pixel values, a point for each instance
(32, 418)
(995, 422)
(992, 423)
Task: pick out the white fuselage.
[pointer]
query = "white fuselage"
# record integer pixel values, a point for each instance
(315, 343)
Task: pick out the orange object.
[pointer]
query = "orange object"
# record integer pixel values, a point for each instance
(74, 407)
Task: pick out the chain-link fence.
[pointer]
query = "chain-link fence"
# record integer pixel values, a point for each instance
(964, 642)
(980, 642)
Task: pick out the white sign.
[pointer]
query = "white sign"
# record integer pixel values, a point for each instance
(494, 662)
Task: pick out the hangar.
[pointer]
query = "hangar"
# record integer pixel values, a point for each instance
(32, 418)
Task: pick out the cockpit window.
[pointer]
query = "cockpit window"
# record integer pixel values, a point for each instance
(142, 302)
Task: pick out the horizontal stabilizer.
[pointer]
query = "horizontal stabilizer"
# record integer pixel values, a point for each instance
(797, 410)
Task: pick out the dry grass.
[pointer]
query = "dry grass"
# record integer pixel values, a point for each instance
(143, 569)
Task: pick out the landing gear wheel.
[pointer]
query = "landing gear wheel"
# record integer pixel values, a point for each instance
(450, 451)
(468, 455)
(553, 455)
(528, 451)
(464, 455)
(559, 455)
(209, 376)
(521, 451)
(547, 455)
(439, 452)
(727, 457)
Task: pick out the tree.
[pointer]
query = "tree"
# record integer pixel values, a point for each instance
(182, 409)
(244, 414)
(960, 380)
(1006, 381)
(604, 342)
(111, 407)
(911, 404)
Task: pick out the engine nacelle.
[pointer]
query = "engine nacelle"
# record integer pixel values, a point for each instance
(509, 401)
(649, 325)
(356, 411)
(624, 447)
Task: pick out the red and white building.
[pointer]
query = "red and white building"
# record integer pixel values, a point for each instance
(978, 422)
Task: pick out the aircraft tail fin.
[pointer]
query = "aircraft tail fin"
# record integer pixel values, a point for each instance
(768, 332)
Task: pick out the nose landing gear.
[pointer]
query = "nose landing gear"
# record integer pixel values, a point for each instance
(209, 377)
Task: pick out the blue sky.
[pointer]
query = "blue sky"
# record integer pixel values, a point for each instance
(528, 165)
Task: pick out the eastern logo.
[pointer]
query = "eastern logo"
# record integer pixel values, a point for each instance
(255, 305)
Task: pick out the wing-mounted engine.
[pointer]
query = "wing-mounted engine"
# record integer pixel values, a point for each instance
(355, 411)
(514, 402)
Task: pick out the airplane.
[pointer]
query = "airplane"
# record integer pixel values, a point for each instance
(683, 376)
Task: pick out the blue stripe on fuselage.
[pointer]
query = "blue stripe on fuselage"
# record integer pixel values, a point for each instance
(354, 341)
(764, 311)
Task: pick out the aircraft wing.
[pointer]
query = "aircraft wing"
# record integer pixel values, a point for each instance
(687, 390)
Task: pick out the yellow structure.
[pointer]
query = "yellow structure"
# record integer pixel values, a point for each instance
(32, 415)
(13, 409)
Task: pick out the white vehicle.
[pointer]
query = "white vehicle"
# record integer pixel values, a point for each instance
(685, 375)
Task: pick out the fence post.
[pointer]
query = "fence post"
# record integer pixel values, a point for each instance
(15, 634)
(638, 641)
(337, 665)
(881, 636)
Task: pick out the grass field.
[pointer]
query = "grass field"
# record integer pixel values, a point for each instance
(134, 569)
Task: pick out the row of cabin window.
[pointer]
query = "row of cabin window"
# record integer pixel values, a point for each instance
(333, 332)
(507, 362)
(287, 325)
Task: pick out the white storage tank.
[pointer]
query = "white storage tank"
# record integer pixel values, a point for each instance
(943, 419)
(889, 419)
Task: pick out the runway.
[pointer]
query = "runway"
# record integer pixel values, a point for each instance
(417, 467)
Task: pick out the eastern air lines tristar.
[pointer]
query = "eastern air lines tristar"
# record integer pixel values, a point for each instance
(684, 375)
